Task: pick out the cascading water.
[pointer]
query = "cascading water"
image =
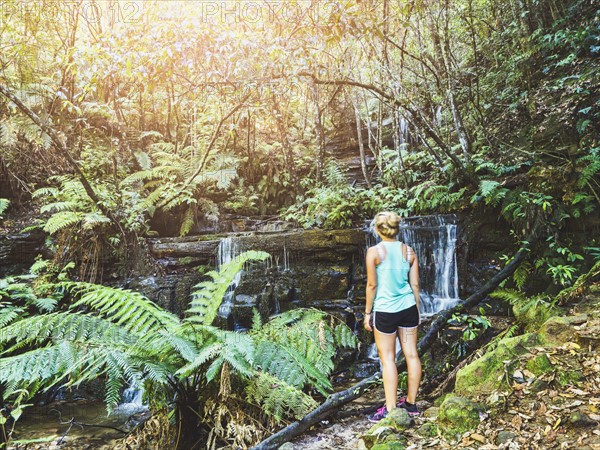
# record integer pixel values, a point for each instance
(227, 252)
(434, 240)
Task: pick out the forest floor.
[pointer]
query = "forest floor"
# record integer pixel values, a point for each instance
(546, 411)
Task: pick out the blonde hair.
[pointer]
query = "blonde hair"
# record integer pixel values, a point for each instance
(387, 224)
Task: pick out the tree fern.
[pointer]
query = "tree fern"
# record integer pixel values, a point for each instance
(123, 338)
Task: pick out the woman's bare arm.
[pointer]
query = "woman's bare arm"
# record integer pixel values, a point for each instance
(371, 263)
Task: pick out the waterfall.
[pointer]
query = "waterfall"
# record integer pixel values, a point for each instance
(227, 252)
(131, 402)
(433, 239)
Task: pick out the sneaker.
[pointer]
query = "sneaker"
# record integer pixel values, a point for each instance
(401, 402)
(381, 413)
(410, 408)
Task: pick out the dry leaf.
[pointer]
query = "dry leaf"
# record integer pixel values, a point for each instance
(478, 437)
(542, 409)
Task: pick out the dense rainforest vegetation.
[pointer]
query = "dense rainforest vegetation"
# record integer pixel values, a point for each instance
(126, 120)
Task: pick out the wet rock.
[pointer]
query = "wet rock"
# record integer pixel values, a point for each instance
(485, 374)
(243, 306)
(579, 420)
(505, 437)
(459, 414)
(18, 251)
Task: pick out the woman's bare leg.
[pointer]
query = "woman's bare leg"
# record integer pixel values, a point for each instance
(408, 341)
(386, 347)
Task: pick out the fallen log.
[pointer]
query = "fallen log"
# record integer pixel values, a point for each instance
(338, 399)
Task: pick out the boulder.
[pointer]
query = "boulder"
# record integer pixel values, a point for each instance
(388, 431)
(459, 414)
(485, 374)
(539, 364)
(559, 330)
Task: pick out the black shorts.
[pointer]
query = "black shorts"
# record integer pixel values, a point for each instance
(390, 322)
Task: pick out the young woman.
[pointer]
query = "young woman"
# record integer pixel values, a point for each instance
(392, 303)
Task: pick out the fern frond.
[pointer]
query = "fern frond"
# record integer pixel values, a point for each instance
(345, 337)
(4, 203)
(9, 313)
(208, 295)
(285, 363)
(62, 220)
(93, 219)
(59, 206)
(189, 218)
(277, 398)
(131, 310)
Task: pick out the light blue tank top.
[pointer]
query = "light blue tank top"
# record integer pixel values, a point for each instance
(393, 288)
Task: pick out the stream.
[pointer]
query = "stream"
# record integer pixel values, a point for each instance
(322, 269)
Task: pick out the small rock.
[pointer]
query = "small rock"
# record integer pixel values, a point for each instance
(557, 331)
(504, 437)
(579, 419)
(393, 445)
(431, 413)
(478, 437)
(428, 429)
(287, 446)
(459, 414)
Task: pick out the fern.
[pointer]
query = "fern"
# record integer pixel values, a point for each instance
(130, 310)
(124, 338)
(4, 203)
(208, 295)
(590, 169)
(277, 398)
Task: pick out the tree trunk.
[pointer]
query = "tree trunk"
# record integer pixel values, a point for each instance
(361, 147)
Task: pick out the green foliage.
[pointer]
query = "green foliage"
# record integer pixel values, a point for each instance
(472, 328)
(122, 337)
(335, 204)
(207, 295)
(4, 203)
(278, 399)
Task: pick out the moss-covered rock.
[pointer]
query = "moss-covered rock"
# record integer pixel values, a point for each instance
(459, 414)
(567, 377)
(558, 331)
(428, 429)
(394, 445)
(533, 316)
(485, 374)
(539, 364)
(388, 430)
(432, 413)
